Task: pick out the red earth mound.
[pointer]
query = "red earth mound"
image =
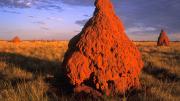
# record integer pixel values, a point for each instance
(101, 56)
(16, 40)
(163, 39)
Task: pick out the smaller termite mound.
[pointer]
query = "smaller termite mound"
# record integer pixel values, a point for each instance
(16, 40)
(163, 39)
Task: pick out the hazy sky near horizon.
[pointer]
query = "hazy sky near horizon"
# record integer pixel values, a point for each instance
(63, 19)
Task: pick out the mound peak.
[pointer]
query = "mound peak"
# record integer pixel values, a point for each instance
(104, 5)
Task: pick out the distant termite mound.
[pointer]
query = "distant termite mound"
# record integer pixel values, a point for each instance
(16, 40)
(101, 59)
(163, 39)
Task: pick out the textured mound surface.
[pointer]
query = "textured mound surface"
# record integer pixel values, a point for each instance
(163, 39)
(101, 56)
(16, 40)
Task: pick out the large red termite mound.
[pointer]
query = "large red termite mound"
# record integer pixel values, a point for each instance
(163, 39)
(101, 57)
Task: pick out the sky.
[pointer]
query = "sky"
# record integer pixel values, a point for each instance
(63, 19)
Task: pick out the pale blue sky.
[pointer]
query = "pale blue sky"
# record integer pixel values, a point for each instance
(62, 19)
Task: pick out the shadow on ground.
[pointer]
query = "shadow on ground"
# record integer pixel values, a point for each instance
(160, 73)
(31, 64)
(51, 71)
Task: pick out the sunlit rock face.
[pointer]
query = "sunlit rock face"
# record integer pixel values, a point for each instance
(101, 58)
(163, 39)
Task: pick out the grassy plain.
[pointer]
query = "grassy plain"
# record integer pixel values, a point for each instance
(31, 71)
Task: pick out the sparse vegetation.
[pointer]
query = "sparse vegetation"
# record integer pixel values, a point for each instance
(31, 71)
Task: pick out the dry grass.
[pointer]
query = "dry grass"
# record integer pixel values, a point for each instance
(161, 74)
(31, 71)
